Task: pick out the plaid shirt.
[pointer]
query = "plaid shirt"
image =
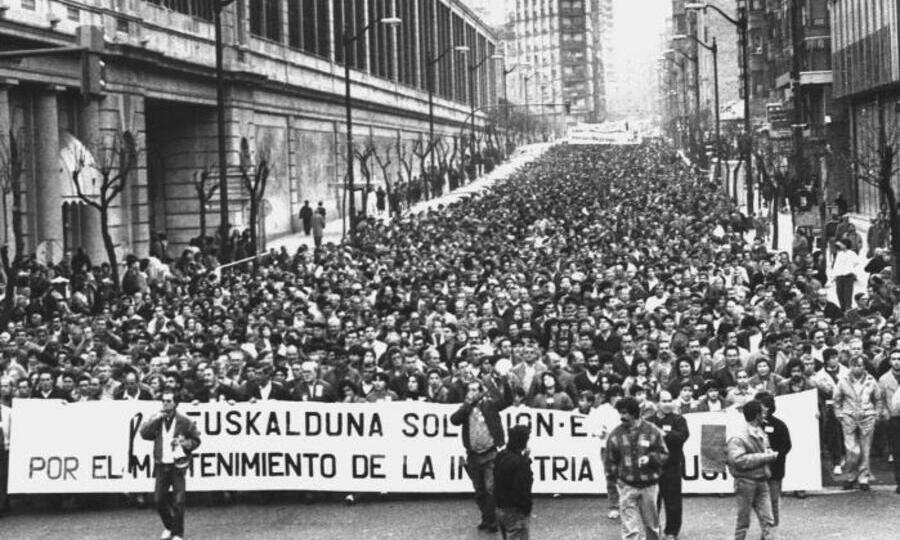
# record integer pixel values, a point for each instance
(626, 445)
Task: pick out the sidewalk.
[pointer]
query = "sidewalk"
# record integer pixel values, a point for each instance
(334, 228)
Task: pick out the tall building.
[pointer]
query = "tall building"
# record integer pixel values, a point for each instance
(283, 92)
(559, 57)
(866, 58)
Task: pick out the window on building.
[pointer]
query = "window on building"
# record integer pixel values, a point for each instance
(202, 9)
(349, 18)
(265, 19)
(307, 19)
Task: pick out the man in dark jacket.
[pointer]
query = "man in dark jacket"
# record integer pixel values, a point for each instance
(635, 454)
(675, 430)
(779, 441)
(306, 215)
(482, 433)
(174, 437)
(512, 485)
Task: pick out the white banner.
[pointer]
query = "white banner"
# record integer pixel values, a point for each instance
(394, 447)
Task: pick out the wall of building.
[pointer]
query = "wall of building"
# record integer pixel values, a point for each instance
(284, 94)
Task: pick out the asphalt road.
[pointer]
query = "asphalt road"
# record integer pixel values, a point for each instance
(856, 515)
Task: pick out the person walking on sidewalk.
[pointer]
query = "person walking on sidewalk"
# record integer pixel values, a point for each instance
(890, 387)
(306, 215)
(512, 485)
(635, 454)
(318, 228)
(482, 434)
(844, 269)
(749, 456)
(675, 430)
(174, 437)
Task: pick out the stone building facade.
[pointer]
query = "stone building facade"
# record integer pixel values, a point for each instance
(284, 93)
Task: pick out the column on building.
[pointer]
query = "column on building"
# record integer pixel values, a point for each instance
(48, 190)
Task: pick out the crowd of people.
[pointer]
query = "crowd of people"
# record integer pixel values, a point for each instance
(589, 273)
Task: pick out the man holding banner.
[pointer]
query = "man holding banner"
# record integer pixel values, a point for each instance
(174, 437)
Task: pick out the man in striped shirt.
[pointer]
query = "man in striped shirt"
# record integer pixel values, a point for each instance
(635, 453)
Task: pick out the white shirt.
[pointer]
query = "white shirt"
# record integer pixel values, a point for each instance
(168, 434)
(845, 263)
(264, 391)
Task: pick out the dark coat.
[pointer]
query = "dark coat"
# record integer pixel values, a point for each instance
(675, 429)
(512, 481)
(491, 418)
(151, 430)
(780, 441)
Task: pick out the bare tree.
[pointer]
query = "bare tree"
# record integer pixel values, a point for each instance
(364, 157)
(206, 187)
(12, 166)
(383, 160)
(254, 179)
(422, 150)
(115, 158)
(406, 166)
(875, 163)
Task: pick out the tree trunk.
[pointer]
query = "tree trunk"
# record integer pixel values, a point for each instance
(110, 247)
(254, 223)
(202, 217)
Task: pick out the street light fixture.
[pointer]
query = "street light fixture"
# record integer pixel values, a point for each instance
(740, 22)
(714, 49)
(462, 49)
(472, 68)
(349, 39)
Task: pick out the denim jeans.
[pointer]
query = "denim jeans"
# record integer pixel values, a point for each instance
(638, 512)
(775, 496)
(753, 494)
(170, 504)
(612, 489)
(480, 468)
(513, 524)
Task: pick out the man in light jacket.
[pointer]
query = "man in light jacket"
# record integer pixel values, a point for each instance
(890, 387)
(857, 404)
(749, 456)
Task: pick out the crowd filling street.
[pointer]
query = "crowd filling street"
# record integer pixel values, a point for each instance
(616, 281)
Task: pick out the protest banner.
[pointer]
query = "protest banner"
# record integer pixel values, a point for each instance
(396, 447)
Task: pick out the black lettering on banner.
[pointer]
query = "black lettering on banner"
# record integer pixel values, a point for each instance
(102, 468)
(251, 422)
(54, 467)
(313, 424)
(409, 420)
(136, 466)
(457, 467)
(576, 426)
(424, 471)
(233, 418)
(328, 466)
(272, 427)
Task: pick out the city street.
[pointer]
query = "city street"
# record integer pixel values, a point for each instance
(837, 516)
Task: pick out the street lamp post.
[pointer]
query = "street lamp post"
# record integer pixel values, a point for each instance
(472, 68)
(224, 227)
(430, 64)
(525, 79)
(741, 24)
(693, 122)
(349, 40)
(714, 49)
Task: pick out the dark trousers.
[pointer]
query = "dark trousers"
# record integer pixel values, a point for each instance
(480, 468)
(318, 241)
(170, 504)
(670, 499)
(834, 436)
(4, 478)
(844, 286)
(307, 226)
(893, 433)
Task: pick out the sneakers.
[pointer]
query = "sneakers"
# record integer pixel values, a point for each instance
(838, 470)
(350, 500)
(613, 514)
(176, 538)
(166, 534)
